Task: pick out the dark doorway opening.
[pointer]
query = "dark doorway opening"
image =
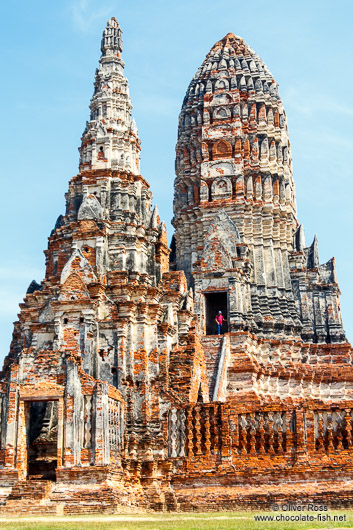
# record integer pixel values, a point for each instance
(215, 302)
(43, 440)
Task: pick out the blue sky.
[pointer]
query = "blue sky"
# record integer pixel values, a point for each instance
(49, 54)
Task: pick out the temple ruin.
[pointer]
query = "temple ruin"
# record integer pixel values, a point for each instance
(118, 393)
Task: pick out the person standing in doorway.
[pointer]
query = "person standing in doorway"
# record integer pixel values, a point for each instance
(219, 319)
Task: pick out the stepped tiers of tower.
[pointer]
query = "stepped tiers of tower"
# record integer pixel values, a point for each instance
(118, 393)
(110, 139)
(236, 226)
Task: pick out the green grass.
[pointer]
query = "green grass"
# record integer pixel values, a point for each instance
(216, 521)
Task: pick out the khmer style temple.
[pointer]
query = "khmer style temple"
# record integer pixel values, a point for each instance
(118, 393)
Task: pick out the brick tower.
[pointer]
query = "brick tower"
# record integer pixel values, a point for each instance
(237, 236)
(280, 378)
(93, 364)
(116, 392)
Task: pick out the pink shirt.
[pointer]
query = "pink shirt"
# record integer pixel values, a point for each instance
(219, 319)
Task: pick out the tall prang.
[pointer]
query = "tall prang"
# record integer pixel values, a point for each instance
(93, 364)
(237, 236)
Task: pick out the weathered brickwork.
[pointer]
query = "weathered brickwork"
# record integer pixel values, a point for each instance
(236, 227)
(117, 393)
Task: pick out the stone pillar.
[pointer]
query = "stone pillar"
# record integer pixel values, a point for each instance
(172, 438)
(73, 408)
(101, 423)
(233, 429)
(190, 433)
(310, 431)
(22, 452)
(11, 426)
(60, 432)
(301, 429)
(226, 452)
(236, 309)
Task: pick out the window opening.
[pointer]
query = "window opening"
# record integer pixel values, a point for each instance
(43, 440)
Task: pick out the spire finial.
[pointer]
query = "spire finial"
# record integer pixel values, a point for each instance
(110, 139)
(112, 42)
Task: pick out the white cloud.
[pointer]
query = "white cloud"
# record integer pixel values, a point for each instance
(85, 13)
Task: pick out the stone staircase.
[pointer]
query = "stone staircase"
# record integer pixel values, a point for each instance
(29, 497)
(35, 490)
(91, 498)
(44, 497)
(212, 346)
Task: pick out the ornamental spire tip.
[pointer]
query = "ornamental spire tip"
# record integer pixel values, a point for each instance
(111, 40)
